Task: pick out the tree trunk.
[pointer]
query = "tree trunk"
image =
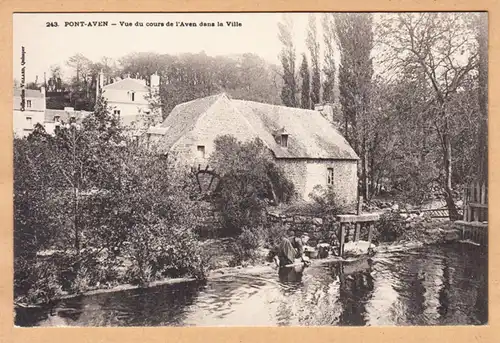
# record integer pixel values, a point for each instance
(452, 209)
(364, 173)
(75, 222)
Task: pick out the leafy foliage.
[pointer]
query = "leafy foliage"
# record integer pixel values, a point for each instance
(312, 43)
(288, 57)
(441, 50)
(246, 245)
(327, 203)
(305, 99)
(355, 39)
(93, 194)
(249, 178)
(329, 66)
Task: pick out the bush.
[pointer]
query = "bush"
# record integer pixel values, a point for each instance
(246, 244)
(274, 235)
(163, 250)
(389, 228)
(124, 199)
(36, 281)
(327, 203)
(248, 180)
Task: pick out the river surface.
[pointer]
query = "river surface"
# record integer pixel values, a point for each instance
(435, 285)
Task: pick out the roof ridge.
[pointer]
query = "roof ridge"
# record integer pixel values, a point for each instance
(276, 105)
(201, 99)
(138, 81)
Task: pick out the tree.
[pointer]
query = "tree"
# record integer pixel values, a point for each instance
(329, 67)
(55, 82)
(287, 57)
(355, 39)
(142, 65)
(313, 46)
(255, 80)
(442, 47)
(248, 177)
(82, 84)
(482, 38)
(305, 100)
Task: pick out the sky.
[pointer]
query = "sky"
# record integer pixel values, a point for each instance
(46, 45)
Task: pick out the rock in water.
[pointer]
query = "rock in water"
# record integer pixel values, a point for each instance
(358, 248)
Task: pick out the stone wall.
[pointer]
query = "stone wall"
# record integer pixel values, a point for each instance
(307, 174)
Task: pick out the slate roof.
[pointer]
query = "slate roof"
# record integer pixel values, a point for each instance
(158, 130)
(128, 84)
(29, 93)
(63, 115)
(183, 118)
(311, 136)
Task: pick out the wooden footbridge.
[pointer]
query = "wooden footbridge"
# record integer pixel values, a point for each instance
(359, 224)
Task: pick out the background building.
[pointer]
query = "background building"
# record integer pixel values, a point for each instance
(130, 98)
(24, 121)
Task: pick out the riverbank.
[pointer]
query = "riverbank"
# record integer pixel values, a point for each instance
(221, 260)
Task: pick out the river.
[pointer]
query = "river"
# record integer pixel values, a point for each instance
(434, 285)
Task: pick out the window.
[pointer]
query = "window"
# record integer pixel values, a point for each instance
(284, 141)
(329, 176)
(132, 96)
(29, 120)
(201, 151)
(57, 119)
(28, 103)
(116, 112)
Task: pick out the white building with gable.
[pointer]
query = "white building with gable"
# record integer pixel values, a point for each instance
(130, 98)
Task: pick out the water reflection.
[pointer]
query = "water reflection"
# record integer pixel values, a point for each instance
(434, 286)
(356, 289)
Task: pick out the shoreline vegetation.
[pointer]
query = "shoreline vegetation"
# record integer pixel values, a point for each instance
(434, 231)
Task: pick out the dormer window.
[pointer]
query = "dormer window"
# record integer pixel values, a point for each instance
(201, 151)
(284, 141)
(281, 137)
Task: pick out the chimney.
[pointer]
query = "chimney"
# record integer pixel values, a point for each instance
(326, 110)
(101, 79)
(99, 84)
(42, 90)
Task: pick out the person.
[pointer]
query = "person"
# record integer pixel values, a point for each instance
(290, 249)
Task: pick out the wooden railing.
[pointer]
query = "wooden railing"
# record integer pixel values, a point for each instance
(475, 202)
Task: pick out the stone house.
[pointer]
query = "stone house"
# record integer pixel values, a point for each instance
(29, 113)
(310, 150)
(56, 118)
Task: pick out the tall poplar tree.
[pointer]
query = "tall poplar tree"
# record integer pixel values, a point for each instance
(355, 39)
(305, 98)
(313, 46)
(287, 57)
(329, 67)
